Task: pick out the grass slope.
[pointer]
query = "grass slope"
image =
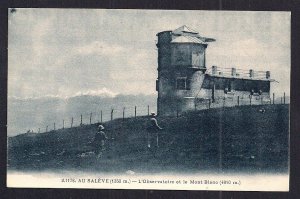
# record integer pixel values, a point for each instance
(227, 139)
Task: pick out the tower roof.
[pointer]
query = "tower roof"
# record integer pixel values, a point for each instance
(184, 28)
(187, 39)
(185, 34)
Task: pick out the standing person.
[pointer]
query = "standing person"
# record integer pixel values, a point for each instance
(99, 141)
(153, 131)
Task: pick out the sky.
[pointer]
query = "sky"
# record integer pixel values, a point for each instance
(70, 52)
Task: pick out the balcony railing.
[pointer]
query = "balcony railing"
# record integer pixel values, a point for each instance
(238, 73)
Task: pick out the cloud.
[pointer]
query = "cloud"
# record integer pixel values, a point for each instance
(60, 52)
(243, 48)
(101, 48)
(248, 53)
(137, 64)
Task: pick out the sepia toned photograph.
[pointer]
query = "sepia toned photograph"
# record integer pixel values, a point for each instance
(148, 99)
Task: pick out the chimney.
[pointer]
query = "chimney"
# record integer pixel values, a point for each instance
(268, 74)
(214, 70)
(233, 72)
(251, 72)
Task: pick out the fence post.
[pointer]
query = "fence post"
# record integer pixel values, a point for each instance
(91, 118)
(39, 130)
(209, 101)
(80, 119)
(273, 98)
(261, 99)
(72, 122)
(280, 100)
(46, 129)
(238, 101)
(101, 116)
(250, 97)
(148, 110)
(223, 102)
(112, 114)
(284, 98)
(63, 124)
(123, 113)
(135, 111)
(54, 126)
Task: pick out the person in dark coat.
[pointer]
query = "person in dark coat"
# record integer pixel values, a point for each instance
(153, 129)
(99, 141)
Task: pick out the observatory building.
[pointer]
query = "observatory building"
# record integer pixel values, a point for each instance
(184, 82)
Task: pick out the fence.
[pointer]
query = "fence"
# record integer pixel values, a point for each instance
(97, 117)
(132, 112)
(230, 101)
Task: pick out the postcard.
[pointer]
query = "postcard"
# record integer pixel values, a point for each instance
(148, 99)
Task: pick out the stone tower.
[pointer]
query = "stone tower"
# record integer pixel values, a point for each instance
(181, 68)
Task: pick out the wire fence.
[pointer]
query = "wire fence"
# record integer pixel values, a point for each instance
(135, 111)
(230, 101)
(95, 117)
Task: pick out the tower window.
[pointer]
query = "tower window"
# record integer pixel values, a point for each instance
(181, 83)
(188, 84)
(197, 58)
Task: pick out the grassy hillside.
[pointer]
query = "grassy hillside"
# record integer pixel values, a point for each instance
(232, 138)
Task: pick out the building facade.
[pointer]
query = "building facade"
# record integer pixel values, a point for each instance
(184, 82)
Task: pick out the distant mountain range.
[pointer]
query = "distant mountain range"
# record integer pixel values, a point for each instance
(32, 114)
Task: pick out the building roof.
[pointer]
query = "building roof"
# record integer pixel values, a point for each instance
(185, 34)
(187, 39)
(241, 77)
(184, 28)
(221, 72)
